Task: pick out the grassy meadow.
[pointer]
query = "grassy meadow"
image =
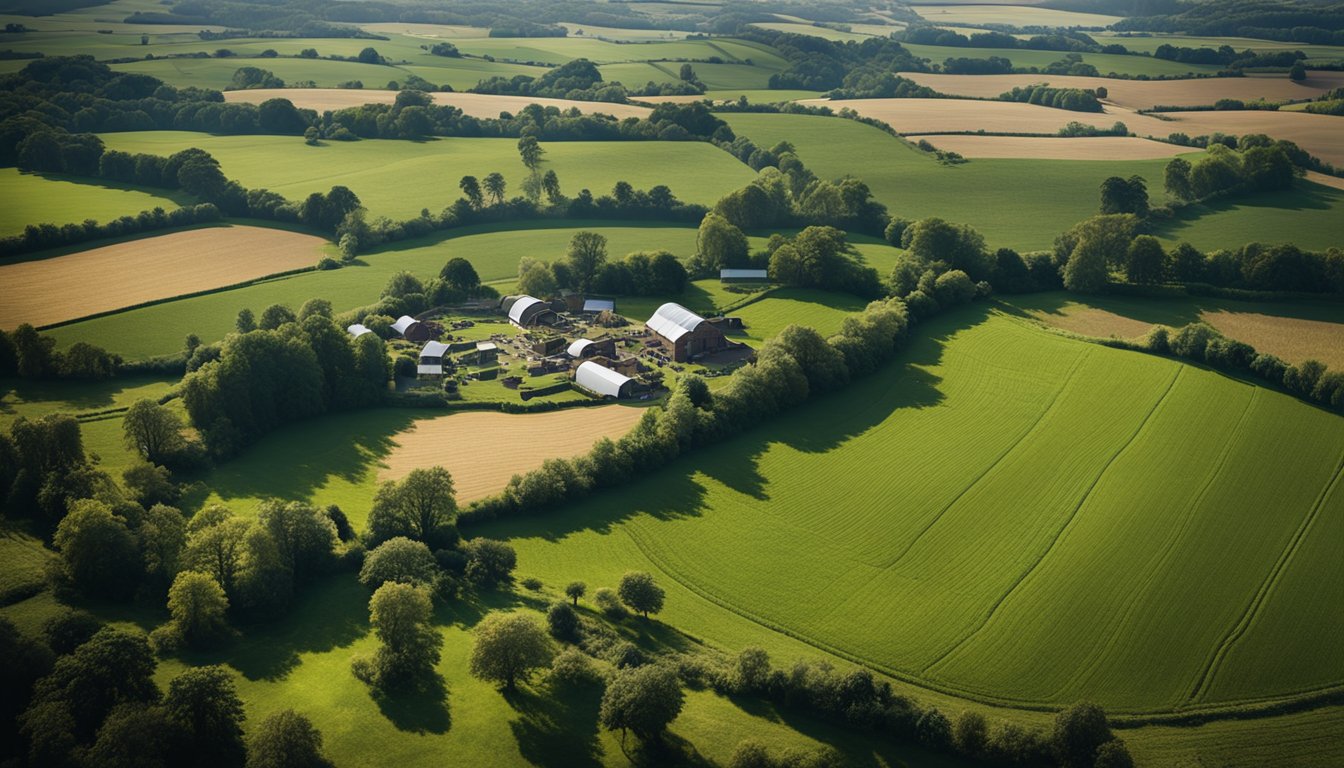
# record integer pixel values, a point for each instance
(399, 178)
(54, 199)
(929, 566)
(1106, 63)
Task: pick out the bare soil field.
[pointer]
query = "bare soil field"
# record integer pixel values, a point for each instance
(474, 104)
(1055, 148)
(46, 291)
(483, 450)
(1142, 94)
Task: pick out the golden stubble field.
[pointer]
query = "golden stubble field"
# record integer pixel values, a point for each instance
(483, 449)
(474, 104)
(53, 290)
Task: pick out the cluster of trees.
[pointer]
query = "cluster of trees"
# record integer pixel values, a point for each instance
(1260, 164)
(1304, 23)
(578, 79)
(821, 257)
(788, 194)
(1080, 736)
(797, 364)
(1075, 99)
(84, 694)
(945, 265)
(1064, 40)
(1227, 56)
(966, 65)
(290, 368)
(37, 237)
(1091, 252)
(816, 64)
(867, 83)
(27, 354)
(586, 269)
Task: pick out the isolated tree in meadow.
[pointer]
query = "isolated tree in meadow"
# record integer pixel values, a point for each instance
(153, 430)
(205, 705)
(586, 256)
(495, 186)
(531, 152)
(286, 739)
(460, 274)
(508, 648)
(471, 188)
(400, 615)
(563, 621)
(1146, 260)
(489, 562)
(644, 700)
(638, 590)
(687, 73)
(420, 506)
(1078, 732)
(575, 590)
(1176, 178)
(550, 186)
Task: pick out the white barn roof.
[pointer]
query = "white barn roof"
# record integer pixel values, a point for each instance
(599, 305)
(743, 274)
(672, 321)
(357, 330)
(600, 379)
(403, 322)
(486, 346)
(434, 349)
(576, 349)
(436, 370)
(520, 306)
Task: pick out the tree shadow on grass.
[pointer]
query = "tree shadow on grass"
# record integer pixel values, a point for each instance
(557, 727)
(424, 710)
(678, 491)
(1173, 312)
(669, 750)
(73, 396)
(295, 461)
(326, 615)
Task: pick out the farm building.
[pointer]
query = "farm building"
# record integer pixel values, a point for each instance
(357, 330)
(431, 359)
(685, 333)
(411, 329)
(603, 381)
(743, 275)
(485, 352)
(551, 345)
(526, 311)
(588, 348)
(599, 305)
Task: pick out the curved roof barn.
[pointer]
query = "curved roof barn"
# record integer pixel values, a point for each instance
(601, 380)
(672, 321)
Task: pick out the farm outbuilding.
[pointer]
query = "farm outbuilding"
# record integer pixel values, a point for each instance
(411, 329)
(603, 381)
(527, 311)
(743, 275)
(599, 305)
(357, 330)
(589, 348)
(685, 333)
(485, 352)
(431, 359)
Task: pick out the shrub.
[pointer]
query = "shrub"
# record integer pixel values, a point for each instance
(609, 604)
(572, 667)
(563, 621)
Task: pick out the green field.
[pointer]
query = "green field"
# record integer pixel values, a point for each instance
(1106, 63)
(998, 532)
(1151, 43)
(398, 178)
(1047, 196)
(51, 199)
(160, 329)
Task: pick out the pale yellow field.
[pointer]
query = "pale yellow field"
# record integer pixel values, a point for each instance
(483, 450)
(1054, 148)
(1324, 180)
(474, 104)
(1142, 94)
(47, 291)
(1321, 135)
(1015, 15)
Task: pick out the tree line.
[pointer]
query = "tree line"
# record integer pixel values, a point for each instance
(1074, 99)
(587, 269)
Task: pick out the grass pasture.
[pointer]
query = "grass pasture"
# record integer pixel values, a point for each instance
(110, 277)
(52, 199)
(1106, 63)
(474, 104)
(1052, 148)
(1294, 331)
(494, 252)
(821, 310)
(1014, 15)
(931, 566)
(399, 178)
(484, 449)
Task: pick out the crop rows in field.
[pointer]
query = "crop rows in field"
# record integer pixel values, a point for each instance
(1014, 517)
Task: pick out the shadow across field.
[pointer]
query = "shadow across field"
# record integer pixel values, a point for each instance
(557, 728)
(1173, 312)
(424, 710)
(678, 490)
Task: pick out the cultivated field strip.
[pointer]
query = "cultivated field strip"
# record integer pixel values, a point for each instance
(1014, 517)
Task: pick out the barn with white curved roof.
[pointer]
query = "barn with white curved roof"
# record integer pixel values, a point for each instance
(527, 311)
(685, 333)
(603, 381)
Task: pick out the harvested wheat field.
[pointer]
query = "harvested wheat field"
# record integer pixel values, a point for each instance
(1056, 148)
(1321, 135)
(483, 449)
(47, 291)
(1141, 94)
(474, 104)
(1324, 180)
(913, 116)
